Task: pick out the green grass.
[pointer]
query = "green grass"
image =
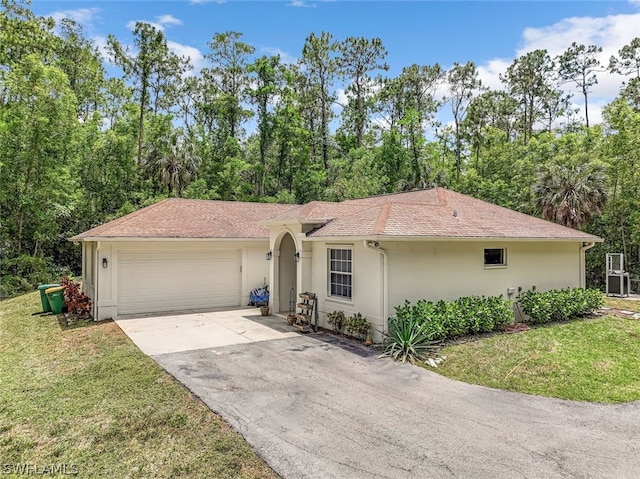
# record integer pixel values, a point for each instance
(620, 303)
(87, 397)
(593, 360)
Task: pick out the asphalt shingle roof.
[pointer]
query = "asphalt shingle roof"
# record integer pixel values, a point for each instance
(184, 218)
(434, 213)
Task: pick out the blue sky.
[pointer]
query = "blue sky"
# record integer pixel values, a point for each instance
(490, 33)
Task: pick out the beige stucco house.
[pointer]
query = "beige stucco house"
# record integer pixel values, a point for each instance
(364, 255)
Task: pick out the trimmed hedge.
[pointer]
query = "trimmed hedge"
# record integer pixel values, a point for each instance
(560, 305)
(462, 317)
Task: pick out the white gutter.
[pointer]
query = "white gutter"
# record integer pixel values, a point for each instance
(133, 239)
(583, 273)
(384, 283)
(486, 239)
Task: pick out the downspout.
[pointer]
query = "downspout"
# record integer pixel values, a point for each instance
(96, 293)
(583, 262)
(384, 283)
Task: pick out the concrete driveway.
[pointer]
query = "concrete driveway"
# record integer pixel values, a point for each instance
(170, 333)
(313, 406)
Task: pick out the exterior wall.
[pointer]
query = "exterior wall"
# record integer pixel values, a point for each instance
(367, 294)
(449, 270)
(255, 268)
(441, 270)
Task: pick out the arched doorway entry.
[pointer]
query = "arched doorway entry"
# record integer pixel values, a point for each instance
(287, 277)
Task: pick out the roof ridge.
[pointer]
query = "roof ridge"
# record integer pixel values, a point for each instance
(262, 203)
(392, 194)
(442, 196)
(382, 219)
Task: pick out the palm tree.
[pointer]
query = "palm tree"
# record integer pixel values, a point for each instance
(173, 162)
(571, 195)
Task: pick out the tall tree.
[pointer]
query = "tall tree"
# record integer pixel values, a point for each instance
(266, 86)
(228, 82)
(417, 85)
(463, 81)
(628, 60)
(530, 79)
(359, 58)
(22, 34)
(37, 126)
(82, 63)
(579, 64)
(491, 110)
(152, 68)
(319, 65)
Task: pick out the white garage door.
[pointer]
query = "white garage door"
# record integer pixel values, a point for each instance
(177, 280)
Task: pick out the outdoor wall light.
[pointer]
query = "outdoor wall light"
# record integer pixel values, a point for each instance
(105, 263)
(296, 257)
(269, 256)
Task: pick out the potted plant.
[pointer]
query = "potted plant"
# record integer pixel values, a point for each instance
(264, 310)
(336, 320)
(357, 326)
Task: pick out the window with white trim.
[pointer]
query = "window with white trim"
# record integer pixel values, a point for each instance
(340, 273)
(495, 257)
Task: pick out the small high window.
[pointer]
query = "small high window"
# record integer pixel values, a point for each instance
(340, 273)
(495, 257)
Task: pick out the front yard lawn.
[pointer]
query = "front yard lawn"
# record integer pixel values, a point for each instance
(621, 303)
(89, 400)
(586, 360)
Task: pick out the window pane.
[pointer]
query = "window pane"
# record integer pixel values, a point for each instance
(340, 269)
(494, 256)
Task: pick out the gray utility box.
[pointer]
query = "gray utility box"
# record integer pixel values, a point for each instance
(617, 277)
(618, 284)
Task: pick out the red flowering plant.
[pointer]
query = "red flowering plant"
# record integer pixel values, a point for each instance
(76, 301)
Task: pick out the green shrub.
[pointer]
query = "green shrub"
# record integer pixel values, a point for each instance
(407, 340)
(336, 320)
(464, 316)
(357, 325)
(559, 305)
(13, 286)
(23, 273)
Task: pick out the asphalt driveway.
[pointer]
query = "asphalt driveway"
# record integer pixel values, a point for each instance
(315, 407)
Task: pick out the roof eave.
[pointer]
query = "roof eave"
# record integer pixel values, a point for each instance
(293, 220)
(164, 238)
(594, 239)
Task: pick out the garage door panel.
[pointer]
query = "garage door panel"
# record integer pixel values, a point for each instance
(176, 280)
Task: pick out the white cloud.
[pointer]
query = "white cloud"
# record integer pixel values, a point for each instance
(611, 33)
(342, 97)
(132, 25)
(195, 56)
(490, 72)
(301, 3)
(161, 22)
(100, 43)
(284, 56)
(83, 16)
(168, 20)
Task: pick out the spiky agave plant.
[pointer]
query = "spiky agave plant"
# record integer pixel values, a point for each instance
(407, 340)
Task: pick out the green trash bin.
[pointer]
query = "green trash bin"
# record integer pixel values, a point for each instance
(46, 307)
(56, 298)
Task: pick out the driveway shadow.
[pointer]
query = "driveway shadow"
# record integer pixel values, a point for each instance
(280, 325)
